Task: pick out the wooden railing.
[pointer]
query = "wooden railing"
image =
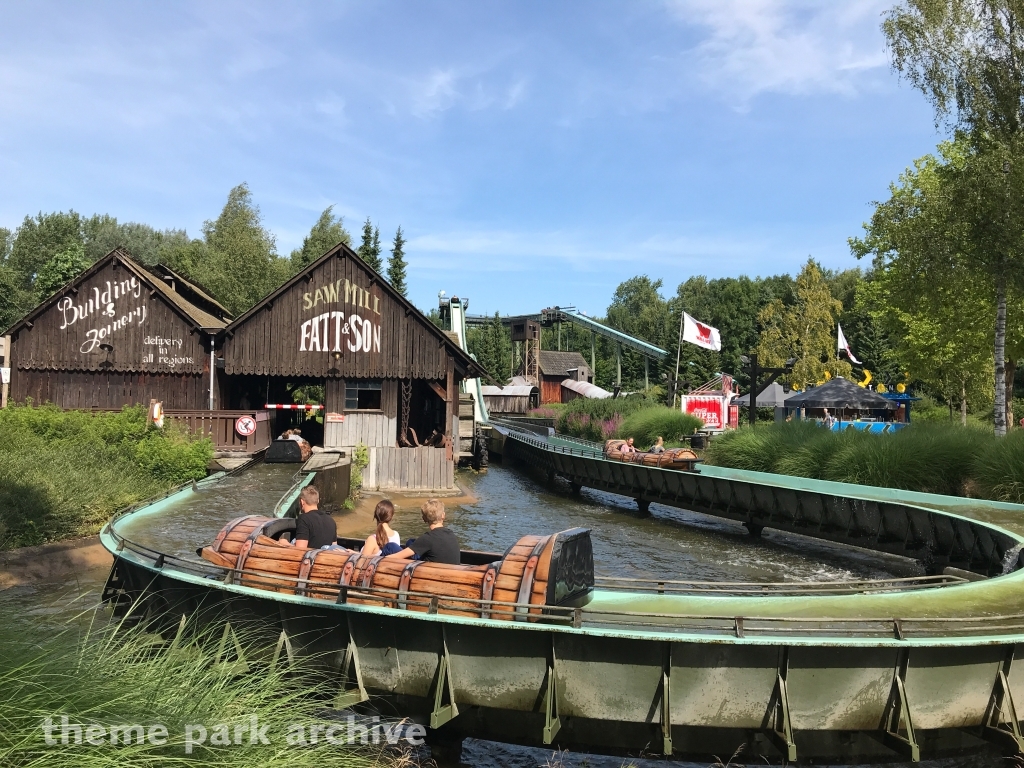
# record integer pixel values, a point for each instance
(219, 426)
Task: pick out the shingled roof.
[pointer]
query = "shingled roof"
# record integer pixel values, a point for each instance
(560, 363)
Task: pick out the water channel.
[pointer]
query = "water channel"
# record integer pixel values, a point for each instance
(668, 543)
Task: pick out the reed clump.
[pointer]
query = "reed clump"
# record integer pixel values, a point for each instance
(636, 416)
(119, 677)
(64, 473)
(929, 457)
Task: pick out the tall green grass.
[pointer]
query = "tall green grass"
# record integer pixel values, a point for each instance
(130, 678)
(930, 457)
(646, 426)
(637, 416)
(63, 473)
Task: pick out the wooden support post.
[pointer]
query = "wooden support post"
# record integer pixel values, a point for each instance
(593, 355)
(6, 350)
(451, 412)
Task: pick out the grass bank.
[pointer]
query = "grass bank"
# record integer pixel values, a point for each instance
(64, 473)
(931, 457)
(115, 681)
(635, 416)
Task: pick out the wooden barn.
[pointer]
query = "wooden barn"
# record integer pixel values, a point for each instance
(118, 335)
(556, 367)
(389, 377)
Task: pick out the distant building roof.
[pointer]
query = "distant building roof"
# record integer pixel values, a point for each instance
(509, 391)
(586, 389)
(560, 363)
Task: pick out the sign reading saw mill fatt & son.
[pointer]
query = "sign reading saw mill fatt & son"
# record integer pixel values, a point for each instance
(357, 329)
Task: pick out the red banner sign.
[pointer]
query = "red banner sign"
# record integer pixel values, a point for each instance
(710, 409)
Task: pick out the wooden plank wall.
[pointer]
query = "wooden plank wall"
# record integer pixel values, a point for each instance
(371, 428)
(109, 389)
(551, 389)
(409, 469)
(337, 319)
(143, 331)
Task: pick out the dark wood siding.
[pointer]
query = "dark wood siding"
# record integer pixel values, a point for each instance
(113, 306)
(109, 389)
(338, 307)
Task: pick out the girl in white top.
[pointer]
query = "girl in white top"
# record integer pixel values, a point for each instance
(384, 536)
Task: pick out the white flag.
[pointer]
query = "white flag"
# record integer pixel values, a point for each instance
(700, 334)
(844, 346)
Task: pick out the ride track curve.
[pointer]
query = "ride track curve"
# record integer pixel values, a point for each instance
(863, 670)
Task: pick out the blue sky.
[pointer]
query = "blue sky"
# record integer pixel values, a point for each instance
(534, 153)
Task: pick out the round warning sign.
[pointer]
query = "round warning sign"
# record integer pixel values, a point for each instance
(245, 425)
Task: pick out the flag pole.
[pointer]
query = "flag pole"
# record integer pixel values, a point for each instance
(679, 346)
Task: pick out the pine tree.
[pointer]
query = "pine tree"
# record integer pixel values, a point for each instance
(377, 262)
(397, 265)
(369, 248)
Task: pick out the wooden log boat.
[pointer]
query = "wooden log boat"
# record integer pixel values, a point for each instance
(673, 458)
(554, 570)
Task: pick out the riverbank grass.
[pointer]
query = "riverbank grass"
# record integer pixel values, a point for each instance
(638, 417)
(931, 457)
(64, 473)
(126, 699)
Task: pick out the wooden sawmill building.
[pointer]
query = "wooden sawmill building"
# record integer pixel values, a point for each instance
(386, 377)
(117, 335)
(390, 377)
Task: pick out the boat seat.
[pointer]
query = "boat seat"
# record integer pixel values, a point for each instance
(537, 570)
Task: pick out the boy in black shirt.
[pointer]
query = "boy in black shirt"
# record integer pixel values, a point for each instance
(313, 529)
(438, 545)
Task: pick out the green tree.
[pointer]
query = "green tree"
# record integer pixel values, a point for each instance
(103, 233)
(39, 239)
(327, 232)
(492, 346)
(966, 57)
(805, 331)
(397, 265)
(369, 248)
(241, 264)
(638, 309)
(60, 270)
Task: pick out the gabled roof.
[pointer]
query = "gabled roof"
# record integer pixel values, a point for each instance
(412, 310)
(188, 311)
(194, 293)
(560, 363)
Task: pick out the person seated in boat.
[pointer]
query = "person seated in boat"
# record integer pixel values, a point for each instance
(659, 445)
(385, 540)
(438, 544)
(313, 529)
(296, 435)
(627, 447)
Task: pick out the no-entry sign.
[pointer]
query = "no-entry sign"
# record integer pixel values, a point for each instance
(245, 425)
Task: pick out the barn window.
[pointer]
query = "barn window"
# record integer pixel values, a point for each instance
(362, 395)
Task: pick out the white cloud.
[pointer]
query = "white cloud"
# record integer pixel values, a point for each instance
(785, 46)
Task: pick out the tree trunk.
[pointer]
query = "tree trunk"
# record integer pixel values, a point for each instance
(1000, 385)
(963, 405)
(1011, 374)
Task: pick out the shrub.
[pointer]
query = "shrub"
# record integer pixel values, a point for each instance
(64, 473)
(999, 469)
(647, 425)
(931, 457)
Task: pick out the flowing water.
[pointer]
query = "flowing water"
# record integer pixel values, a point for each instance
(669, 543)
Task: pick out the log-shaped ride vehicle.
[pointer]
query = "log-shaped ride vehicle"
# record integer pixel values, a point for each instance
(554, 570)
(673, 458)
